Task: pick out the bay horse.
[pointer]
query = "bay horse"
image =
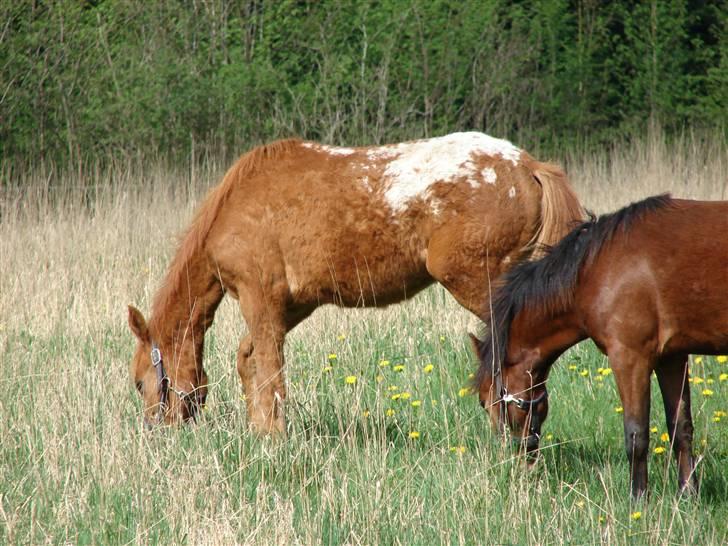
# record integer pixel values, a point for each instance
(648, 285)
(294, 225)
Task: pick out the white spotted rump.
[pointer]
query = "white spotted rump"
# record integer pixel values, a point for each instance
(415, 166)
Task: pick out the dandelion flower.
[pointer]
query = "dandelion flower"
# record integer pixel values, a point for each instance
(414, 434)
(584, 373)
(406, 396)
(390, 412)
(416, 403)
(606, 371)
(549, 436)
(459, 450)
(365, 413)
(698, 359)
(350, 379)
(442, 339)
(393, 388)
(697, 380)
(380, 378)
(463, 392)
(327, 369)
(471, 376)
(601, 519)
(398, 368)
(396, 396)
(333, 356)
(428, 368)
(383, 363)
(664, 437)
(716, 419)
(709, 381)
(707, 392)
(635, 515)
(653, 430)
(722, 359)
(341, 337)
(572, 367)
(723, 377)
(659, 450)
(619, 409)
(720, 413)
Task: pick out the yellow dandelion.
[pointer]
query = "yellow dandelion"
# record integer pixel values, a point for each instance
(433, 402)
(365, 413)
(723, 377)
(416, 403)
(716, 419)
(463, 392)
(414, 435)
(720, 413)
(584, 373)
(619, 409)
(653, 430)
(601, 519)
(698, 380)
(341, 337)
(383, 363)
(471, 376)
(549, 436)
(709, 381)
(572, 367)
(428, 368)
(396, 396)
(707, 392)
(664, 437)
(327, 369)
(659, 450)
(350, 379)
(406, 396)
(606, 371)
(459, 450)
(393, 388)
(442, 339)
(698, 359)
(398, 368)
(333, 356)
(380, 378)
(722, 359)
(635, 515)
(389, 412)
(599, 378)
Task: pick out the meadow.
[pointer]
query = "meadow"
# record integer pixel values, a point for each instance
(385, 444)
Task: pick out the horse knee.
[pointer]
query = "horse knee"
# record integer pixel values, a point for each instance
(636, 441)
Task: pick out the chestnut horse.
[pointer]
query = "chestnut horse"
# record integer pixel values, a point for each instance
(648, 284)
(294, 225)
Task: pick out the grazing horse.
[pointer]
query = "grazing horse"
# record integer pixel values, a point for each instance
(294, 225)
(648, 284)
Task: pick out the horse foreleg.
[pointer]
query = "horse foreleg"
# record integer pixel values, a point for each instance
(672, 375)
(632, 375)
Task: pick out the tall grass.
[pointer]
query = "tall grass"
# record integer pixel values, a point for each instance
(76, 465)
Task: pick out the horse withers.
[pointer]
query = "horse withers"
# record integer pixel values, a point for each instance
(295, 224)
(648, 284)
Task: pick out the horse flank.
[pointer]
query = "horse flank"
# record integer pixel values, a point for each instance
(194, 238)
(547, 285)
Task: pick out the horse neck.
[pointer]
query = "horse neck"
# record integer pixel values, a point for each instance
(184, 308)
(551, 331)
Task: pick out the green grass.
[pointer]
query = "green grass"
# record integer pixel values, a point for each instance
(77, 466)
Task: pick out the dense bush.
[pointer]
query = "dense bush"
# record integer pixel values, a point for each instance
(99, 78)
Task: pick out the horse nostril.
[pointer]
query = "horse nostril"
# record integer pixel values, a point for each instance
(482, 404)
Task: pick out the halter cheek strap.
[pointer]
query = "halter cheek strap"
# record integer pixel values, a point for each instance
(163, 383)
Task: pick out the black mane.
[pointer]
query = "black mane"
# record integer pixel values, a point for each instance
(548, 283)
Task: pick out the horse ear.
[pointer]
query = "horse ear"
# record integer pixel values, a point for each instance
(137, 324)
(476, 343)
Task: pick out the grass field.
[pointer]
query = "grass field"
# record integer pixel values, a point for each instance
(396, 455)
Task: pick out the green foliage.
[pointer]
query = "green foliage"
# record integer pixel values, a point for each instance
(84, 79)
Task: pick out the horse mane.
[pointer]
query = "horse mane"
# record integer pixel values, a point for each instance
(193, 239)
(548, 284)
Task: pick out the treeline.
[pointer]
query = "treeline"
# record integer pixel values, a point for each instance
(82, 79)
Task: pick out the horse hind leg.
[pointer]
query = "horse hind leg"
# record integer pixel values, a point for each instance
(672, 376)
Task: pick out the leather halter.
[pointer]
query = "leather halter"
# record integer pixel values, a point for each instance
(523, 405)
(164, 384)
